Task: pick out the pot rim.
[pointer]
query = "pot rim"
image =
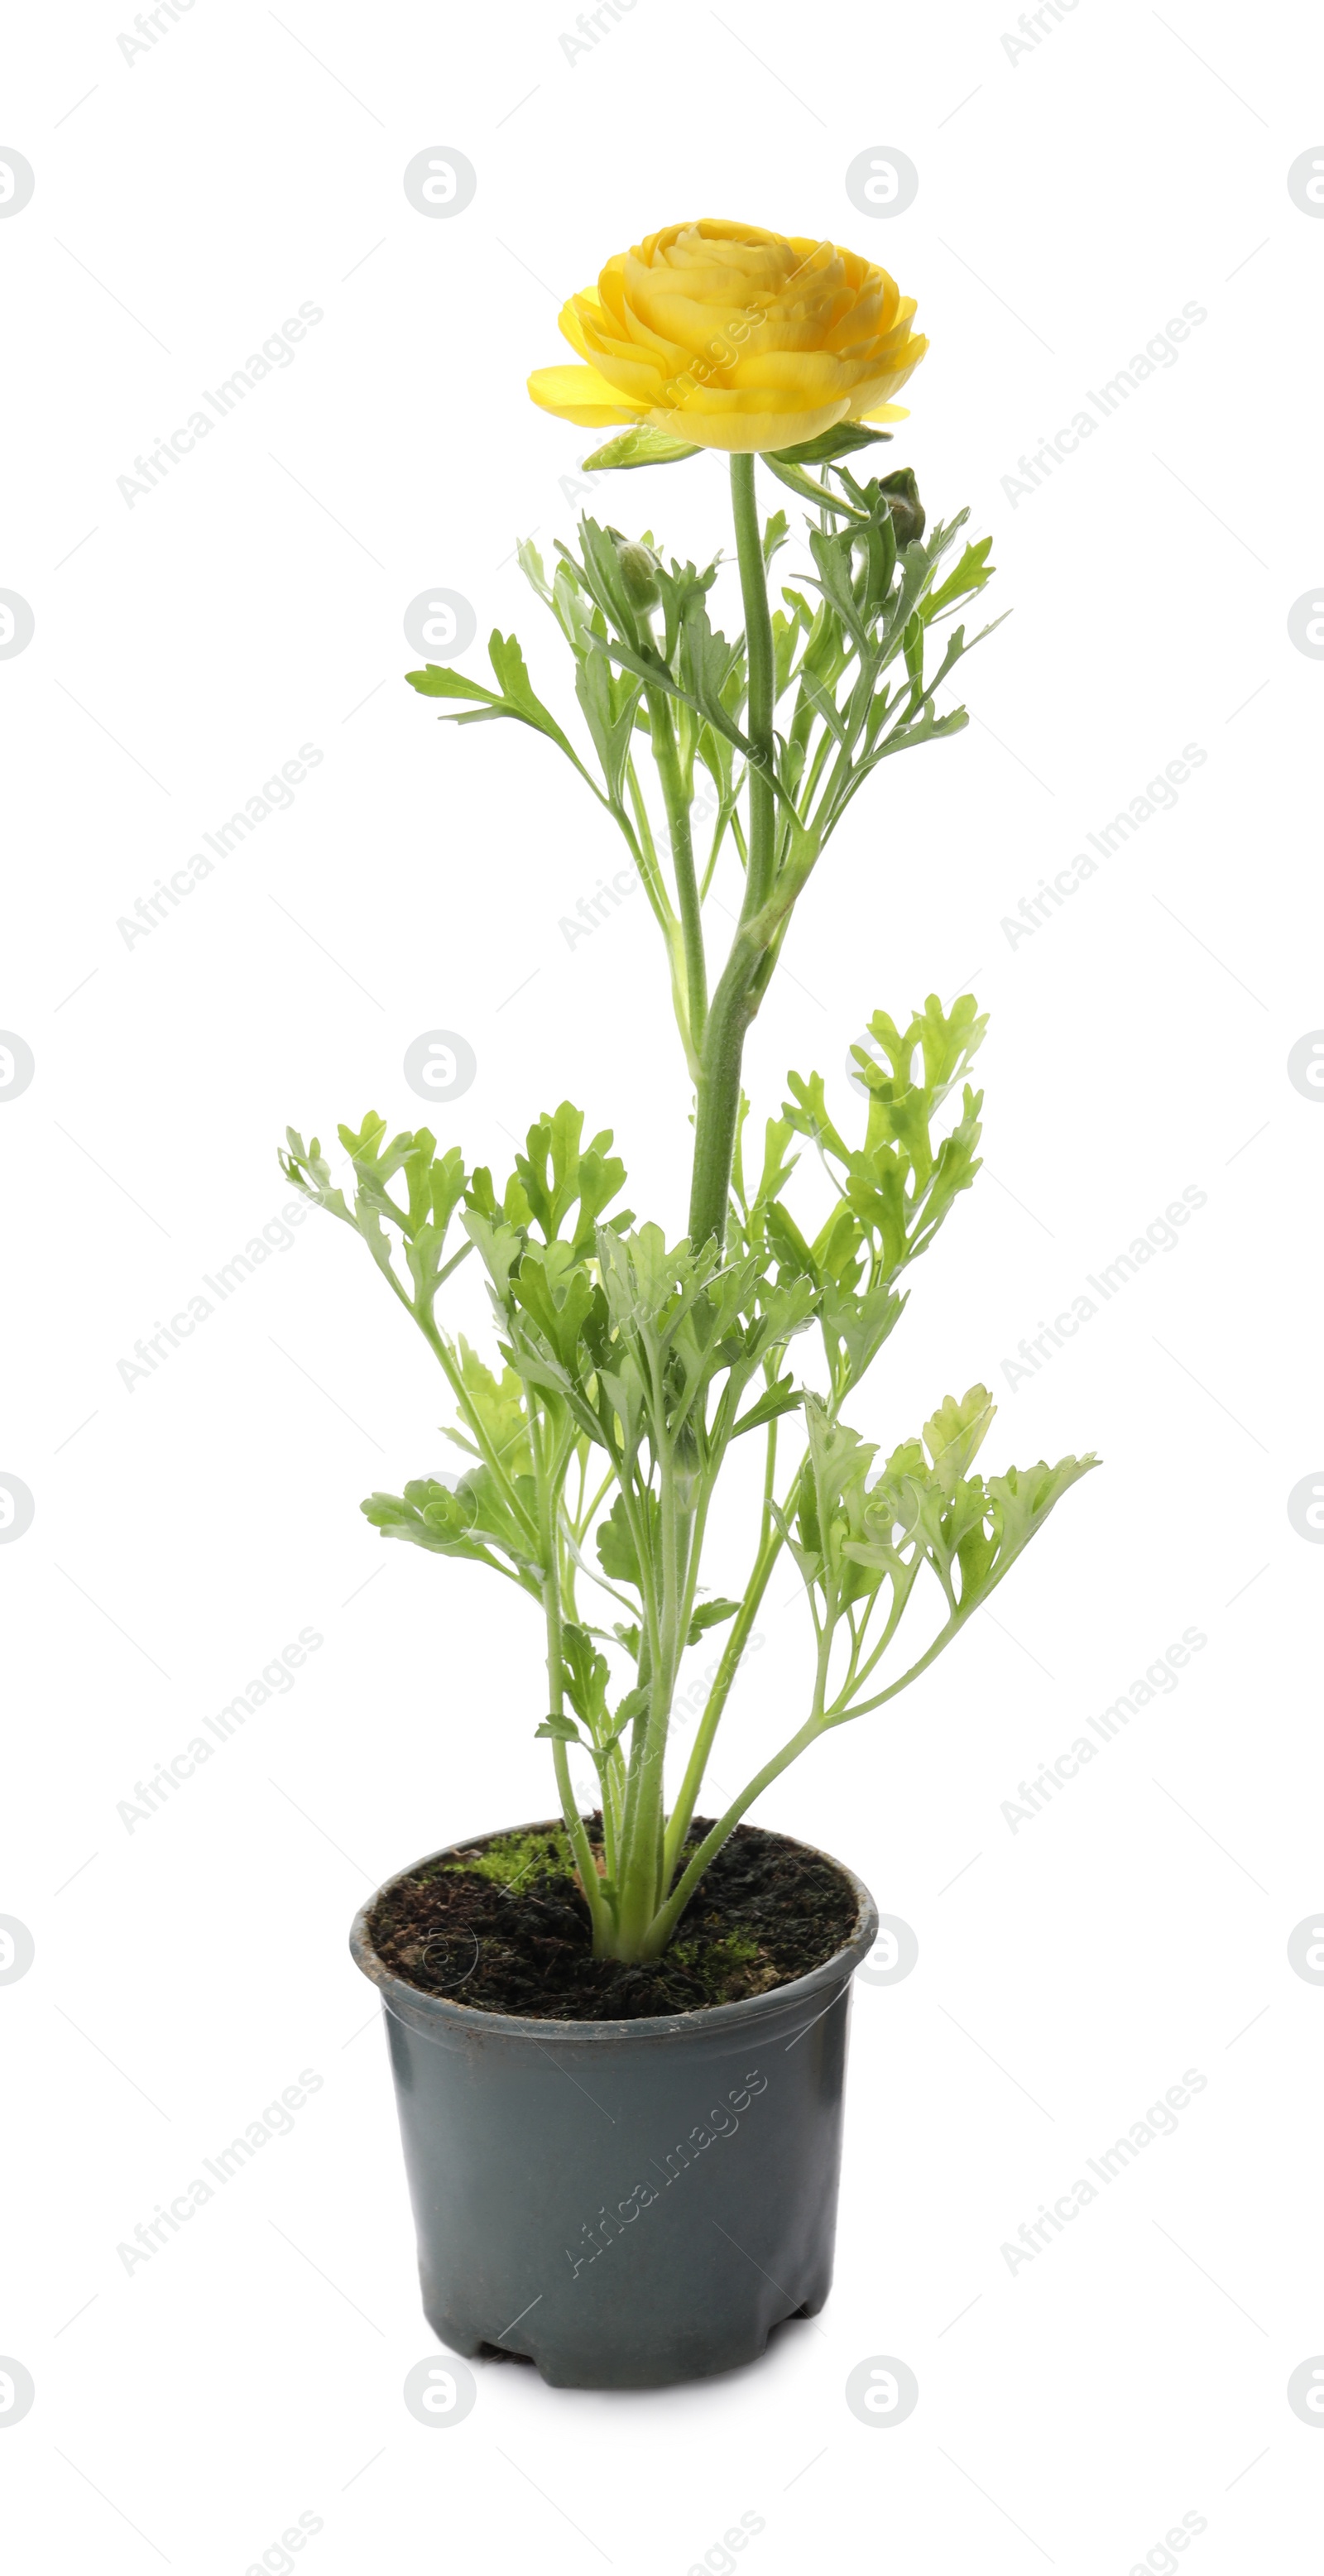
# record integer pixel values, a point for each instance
(413, 2004)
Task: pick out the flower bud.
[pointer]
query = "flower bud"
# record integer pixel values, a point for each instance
(906, 507)
(638, 571)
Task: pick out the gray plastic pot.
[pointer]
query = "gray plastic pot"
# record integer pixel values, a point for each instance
(625, 2203)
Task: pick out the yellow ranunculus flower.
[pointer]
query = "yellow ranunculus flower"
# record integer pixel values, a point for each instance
(728, 336)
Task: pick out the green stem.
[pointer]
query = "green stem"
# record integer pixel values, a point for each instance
(641, 1842)
(633, 1874)
(952, 1627)
(682, 859)
(737, 1640)
(609, 1843)
(643, 852)
(545, 1486)
(584, 1519)
(664, 1922)
(734, 1004)
(672, 932)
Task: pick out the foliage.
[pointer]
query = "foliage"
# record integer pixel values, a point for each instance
(627, 1366)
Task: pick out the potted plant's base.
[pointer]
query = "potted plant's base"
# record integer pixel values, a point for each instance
(626, 2202)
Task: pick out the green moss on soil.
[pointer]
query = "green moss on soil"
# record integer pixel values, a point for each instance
(512, 1860)
(726, 1968)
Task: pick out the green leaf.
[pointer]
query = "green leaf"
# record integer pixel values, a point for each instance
(584, 1675)
(555, 1175)
(562, 1730)
(556, 1294)
(775, 533)
(969, 1532)
(641, 445)
(778, 1164)
(517, 697)
(832, 554)
(710, 1614)
(530, 564)
(839, 1457)
(856, 1327)
(971, 574)
(470, 1521)
(820, 494)
(609, 703)
(875, 589)
(786, 632)
(955, 1432)
(707, 660)
(617, 1554)
(307, 1170)
(901, 1183)
(912, 645)
(807, 1112)
(841, 441)
(501, 1411)
(435, 1184)
(787, 1244)
(499, 1247)
(781, 1398)
(652, 667)
(1021, 1502)
(517, 691)
(437, 680)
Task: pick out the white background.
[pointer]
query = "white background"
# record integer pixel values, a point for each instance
(1071, 200)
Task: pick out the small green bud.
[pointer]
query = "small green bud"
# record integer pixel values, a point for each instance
(638, 571)
(906, 506)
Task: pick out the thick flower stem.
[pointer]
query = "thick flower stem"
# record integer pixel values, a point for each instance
(737, 997)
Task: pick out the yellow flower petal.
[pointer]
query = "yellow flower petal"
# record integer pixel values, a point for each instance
(738, 432)
(582, 395)
(571, 327)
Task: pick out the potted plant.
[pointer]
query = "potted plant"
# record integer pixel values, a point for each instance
(619, 2037)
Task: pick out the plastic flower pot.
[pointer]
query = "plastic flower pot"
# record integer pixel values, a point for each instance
(624, 2203)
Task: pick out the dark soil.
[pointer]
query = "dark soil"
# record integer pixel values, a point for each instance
(501, 1925)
